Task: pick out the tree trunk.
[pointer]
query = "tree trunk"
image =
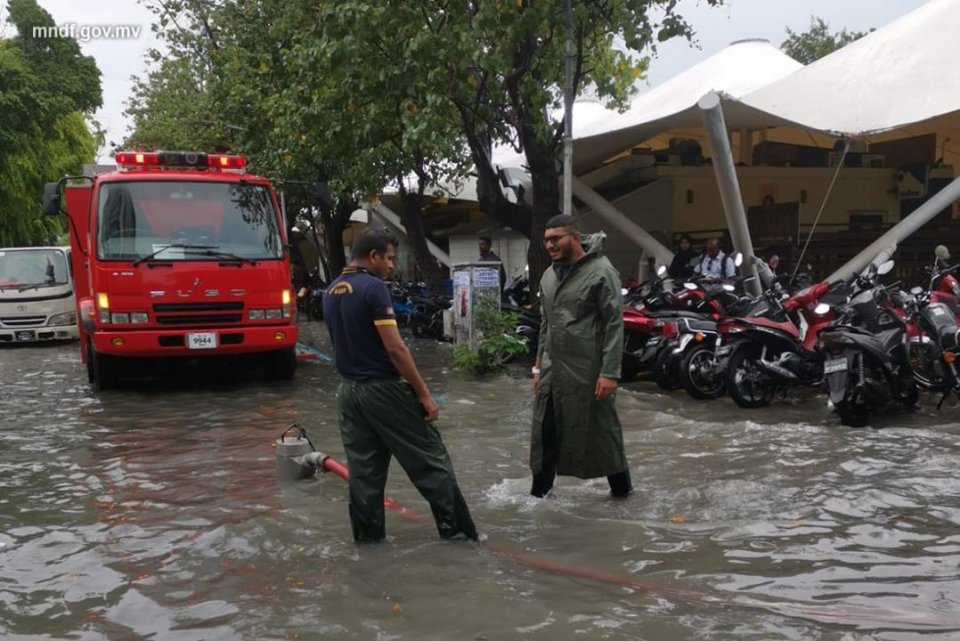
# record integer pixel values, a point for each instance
(489, 190)
(546, 203)
(333, 226)
(412, 220)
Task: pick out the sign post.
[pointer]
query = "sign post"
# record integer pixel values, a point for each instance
(476, 299)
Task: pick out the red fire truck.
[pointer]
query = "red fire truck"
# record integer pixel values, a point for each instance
(178, 254)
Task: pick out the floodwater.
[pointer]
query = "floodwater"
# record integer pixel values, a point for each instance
(153, 512)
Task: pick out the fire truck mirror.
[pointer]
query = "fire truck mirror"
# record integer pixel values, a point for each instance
(51, 199)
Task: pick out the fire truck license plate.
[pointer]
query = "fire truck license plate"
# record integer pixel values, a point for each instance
(835, 365)
(202, 340)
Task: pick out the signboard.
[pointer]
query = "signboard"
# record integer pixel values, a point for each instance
(476, 295)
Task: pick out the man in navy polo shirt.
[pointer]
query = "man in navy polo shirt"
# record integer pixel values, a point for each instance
(384, 404)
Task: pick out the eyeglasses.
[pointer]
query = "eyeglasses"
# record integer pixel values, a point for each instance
(553, 240)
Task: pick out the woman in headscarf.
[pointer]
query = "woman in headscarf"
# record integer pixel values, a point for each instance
(682, 264)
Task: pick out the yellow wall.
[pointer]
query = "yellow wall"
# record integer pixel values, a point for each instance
(856, 190)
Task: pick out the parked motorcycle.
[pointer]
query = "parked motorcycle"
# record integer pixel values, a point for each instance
(770, 353)
(934, 345)
(426, 316)
(867, 363)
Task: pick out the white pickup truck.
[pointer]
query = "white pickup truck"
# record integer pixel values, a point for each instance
(37, 301)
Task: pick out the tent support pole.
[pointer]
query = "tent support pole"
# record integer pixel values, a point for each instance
(630, 229)
(893, 236)
(726, 173)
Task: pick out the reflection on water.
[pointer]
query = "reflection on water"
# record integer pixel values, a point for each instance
(147, 513)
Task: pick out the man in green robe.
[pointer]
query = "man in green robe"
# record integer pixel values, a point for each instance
(576, 430)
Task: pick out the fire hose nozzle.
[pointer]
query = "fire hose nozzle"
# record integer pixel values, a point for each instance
(312, 460)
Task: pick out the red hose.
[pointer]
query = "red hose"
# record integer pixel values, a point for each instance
(895, 619)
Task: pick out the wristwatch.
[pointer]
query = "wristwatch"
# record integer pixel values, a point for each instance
(535, 371)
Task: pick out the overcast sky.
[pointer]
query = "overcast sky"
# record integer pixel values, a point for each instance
(118, 60)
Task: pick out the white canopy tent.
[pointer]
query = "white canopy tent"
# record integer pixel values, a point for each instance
(737, 70)
(901, 75)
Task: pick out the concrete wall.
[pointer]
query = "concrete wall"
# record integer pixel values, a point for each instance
(651, 207)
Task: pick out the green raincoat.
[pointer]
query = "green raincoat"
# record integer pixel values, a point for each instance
(581, 338)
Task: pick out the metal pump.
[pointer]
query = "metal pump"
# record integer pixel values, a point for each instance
(297, 458)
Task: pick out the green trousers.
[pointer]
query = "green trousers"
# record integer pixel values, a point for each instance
(380, 419)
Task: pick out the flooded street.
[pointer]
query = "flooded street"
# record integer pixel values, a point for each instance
(155, 513)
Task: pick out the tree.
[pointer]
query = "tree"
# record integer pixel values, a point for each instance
(48, 91)
(368, 93)
(817, 41)
(293, 113)
(500, 64)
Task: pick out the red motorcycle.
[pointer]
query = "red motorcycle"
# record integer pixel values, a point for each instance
(763, 355)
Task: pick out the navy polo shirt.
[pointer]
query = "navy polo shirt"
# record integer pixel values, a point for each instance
(354, 305)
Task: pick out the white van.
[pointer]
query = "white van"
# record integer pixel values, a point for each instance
(37, 301)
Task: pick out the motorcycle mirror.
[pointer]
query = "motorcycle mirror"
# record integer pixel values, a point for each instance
(916, 291)
(690, 286)
(727, 287)
(662, 271)
(885, 268)
(624, 291)
(738, 259)
(821, 309)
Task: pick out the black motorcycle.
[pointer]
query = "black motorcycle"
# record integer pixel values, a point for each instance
(866, 356)
(426, 316)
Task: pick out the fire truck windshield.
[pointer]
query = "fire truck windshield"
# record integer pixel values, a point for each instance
(138, 219)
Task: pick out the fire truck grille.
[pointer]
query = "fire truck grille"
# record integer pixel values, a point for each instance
(207, 314)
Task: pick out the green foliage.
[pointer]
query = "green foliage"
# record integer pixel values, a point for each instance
(366, 93)
(498, 343)
(48, 90)
(817, 41)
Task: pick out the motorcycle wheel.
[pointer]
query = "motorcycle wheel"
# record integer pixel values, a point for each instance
(316, 310)
(416, 326)
(697, 375)
(910, 396)
(665, 371)
(924, 360)
(852, 414)
(629, 368)
(746, 383)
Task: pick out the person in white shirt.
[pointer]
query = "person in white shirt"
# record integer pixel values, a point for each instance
(714, 264)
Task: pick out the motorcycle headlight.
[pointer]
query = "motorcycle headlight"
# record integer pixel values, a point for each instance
(59, 320)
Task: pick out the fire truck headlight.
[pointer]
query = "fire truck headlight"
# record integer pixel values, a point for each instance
(118, 318)
(103, 307)
(139, 318)
(274, 314)
(58, 320)
(256, 314)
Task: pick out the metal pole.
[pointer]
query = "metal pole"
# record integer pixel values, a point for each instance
(726, 173)
(568, 116)
(893, 236)
(627, 227)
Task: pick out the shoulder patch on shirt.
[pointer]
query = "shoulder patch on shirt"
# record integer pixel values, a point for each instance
(341, 288)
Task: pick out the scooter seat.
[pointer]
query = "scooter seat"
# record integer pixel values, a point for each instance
(675, 313)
